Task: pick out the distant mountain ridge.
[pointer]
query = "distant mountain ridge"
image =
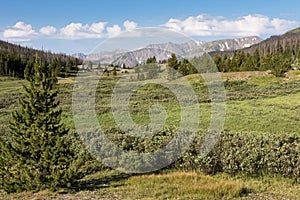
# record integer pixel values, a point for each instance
(130, 59)
(290, 39)
(79, 55)
(164, 50)
(106, 57)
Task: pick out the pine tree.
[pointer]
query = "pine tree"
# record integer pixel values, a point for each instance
(38, 155)
(255, 60)
(219, 63)
(115, 71)
(280, 65)
(172, 66)
(173, 62)
(266, 62)
(185, 67)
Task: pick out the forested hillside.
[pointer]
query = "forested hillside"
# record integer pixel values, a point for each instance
(15, 59)
(277, 53)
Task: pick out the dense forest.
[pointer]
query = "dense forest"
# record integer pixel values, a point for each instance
(16, 60)
(278, 54)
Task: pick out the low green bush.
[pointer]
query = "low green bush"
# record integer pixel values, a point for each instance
(247, 153)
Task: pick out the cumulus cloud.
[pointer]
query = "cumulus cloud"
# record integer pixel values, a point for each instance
(24, 32)
(113, 31)
(129, 25)
(205, 25)
(95, 30)
(201, 25)
(48, 30)
(80, 31)
(20, 31)
(98, 27)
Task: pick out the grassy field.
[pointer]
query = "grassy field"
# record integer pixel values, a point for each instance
(110, 184)
(257, 102)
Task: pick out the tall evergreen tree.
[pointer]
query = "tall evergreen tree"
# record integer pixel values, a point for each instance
(173, 62)
(219, 63)
(280, 65)
(256, 60)
(186, 68)
(115, 71)
(173, 65)
(37, 154)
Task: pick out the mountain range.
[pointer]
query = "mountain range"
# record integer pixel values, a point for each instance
(163, 51)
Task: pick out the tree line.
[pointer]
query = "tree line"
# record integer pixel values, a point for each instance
(15, 61)
(278, 59)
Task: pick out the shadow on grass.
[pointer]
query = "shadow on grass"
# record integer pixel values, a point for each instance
(103, 181)
(96, 183)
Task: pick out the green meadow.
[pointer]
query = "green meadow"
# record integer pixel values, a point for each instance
(259, 107)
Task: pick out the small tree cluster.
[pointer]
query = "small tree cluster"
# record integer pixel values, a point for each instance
(184, 67)
(151, 60)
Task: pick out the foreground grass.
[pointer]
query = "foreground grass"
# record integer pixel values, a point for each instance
(170, 185)
(179, 185)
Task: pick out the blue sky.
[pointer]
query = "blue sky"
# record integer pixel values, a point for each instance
(78, 26)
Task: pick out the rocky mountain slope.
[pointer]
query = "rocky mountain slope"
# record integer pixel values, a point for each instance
(163, 51)
(106, 57)
(290, 39)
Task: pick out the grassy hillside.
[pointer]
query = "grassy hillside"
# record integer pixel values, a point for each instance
(258, 104)
(297, 30)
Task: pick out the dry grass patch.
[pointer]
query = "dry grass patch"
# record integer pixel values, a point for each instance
(180, 185)
(244, 76)
(65, 80)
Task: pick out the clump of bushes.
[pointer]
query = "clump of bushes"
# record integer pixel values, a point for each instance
(247, 153)
(250, 154)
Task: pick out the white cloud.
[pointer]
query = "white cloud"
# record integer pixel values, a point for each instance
(280, 24)
(48, 30)
(80, 31)
(129, 25)
(24, 32)
(98, 27)
(201, 25)
(113, 31)
(205, 25)
(19, 32)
